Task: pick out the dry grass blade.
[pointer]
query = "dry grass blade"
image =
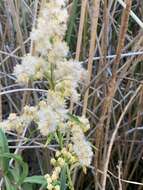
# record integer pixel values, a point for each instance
(96, 7)
(114, 136)
(16, 22)
(80, 31)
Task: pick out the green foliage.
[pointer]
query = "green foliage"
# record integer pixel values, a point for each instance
(71, 24)
(15, 175)
(36, 180)
(63, 179)
(3, 149)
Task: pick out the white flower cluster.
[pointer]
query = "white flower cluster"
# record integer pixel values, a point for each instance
(50, 63)
(50, 60)
(81, 146)
(51, 113)
(32, 67)
(18, 123)
(51, 28)
(48, 114)
(63, 157)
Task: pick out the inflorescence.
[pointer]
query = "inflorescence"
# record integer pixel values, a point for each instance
(50, 63)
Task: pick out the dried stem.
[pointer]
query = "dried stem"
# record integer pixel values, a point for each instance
(96, 7)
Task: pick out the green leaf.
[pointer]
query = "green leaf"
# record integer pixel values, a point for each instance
(13, 174)
(8, 184)
(70, 183)
(21, 163)
(72, 21)
(36, 180)
(63, 178)
(60, 138)
(4, 162)
(27, 186)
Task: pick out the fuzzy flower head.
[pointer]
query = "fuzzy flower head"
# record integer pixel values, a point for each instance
(84, 152)
(52, 111)
(30, 113)
(14, 123)
(58, 51)
(47, 120)
(81, 146)
(60, 2)
(65, 88)
(51, 23)
(85, 123)
(19, 123)
(69, 70)
(57, 103)
(68, 75)
(28, 68)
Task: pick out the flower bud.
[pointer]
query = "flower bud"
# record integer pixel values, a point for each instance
(57, 187)
(53, 161)
(61, 161)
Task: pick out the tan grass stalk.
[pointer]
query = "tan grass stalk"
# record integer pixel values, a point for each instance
(138, 123)
(79, 39)
(112, 86)
(102, 64)
(80, 31)
(123, 30)
(133, 15)
(96, 7)
(17, 25)
(26, 95)
(114, 135)
(119, 175)
(105, 32)
(13, 52)
(124, 180)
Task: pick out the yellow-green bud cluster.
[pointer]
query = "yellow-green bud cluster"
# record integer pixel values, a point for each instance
(65, 156)
(62, 157)
(52, 181)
